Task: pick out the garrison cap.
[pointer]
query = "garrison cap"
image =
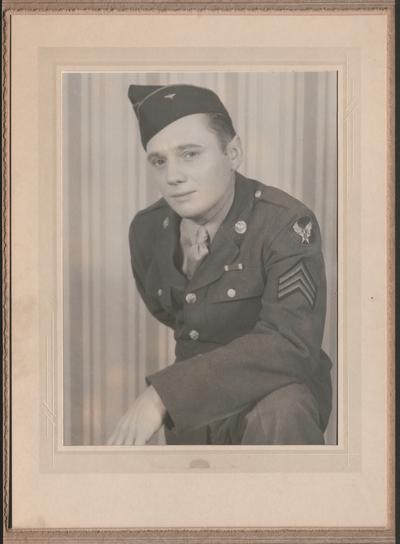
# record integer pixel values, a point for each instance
(157, 106)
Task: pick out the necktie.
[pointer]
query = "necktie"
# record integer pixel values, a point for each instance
(195, 247)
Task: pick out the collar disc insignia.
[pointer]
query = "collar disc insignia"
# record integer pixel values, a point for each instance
(240, 227)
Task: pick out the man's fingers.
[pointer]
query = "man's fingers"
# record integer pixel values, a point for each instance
(131, 430)
(125, 431)
(110, 441)
(140, 422)
(119, 435)
(119, 439)
(115, 439)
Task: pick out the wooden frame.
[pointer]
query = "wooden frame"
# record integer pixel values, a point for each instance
(276, 535)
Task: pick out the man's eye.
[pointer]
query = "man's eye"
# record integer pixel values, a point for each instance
(158, 163)
(189, 155)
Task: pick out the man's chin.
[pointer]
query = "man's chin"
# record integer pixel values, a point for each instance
(187, 211)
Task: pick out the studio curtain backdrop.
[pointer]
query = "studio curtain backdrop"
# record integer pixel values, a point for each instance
(287, 122)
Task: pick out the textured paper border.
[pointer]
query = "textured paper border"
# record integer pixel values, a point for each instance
(297, 538)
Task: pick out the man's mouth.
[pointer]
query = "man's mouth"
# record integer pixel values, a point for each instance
(182, 196)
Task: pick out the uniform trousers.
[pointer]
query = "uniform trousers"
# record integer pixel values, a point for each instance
(287, 416)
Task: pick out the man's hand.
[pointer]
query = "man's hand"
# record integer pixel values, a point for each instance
(141, 421)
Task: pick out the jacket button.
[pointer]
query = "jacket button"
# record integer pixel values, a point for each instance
(159, 292)
(191, 298)
(231, 293)
(194, 335)
(258, 193)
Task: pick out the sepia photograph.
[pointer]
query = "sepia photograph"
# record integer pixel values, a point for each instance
(200, 258)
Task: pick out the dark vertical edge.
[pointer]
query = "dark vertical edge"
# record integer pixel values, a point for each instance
(6, 246)
(10, 504)
(396, 78)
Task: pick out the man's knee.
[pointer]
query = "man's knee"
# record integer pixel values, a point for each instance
(287, 416)
(290, 402)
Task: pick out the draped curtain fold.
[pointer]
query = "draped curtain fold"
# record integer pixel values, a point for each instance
(288, 125)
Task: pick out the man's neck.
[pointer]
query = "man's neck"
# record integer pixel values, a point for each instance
(219, 211)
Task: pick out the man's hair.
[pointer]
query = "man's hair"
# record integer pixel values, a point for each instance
(222, 126)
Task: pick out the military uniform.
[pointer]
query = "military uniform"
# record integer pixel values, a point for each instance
(250, 321)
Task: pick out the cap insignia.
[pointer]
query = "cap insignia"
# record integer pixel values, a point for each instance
(170, 96)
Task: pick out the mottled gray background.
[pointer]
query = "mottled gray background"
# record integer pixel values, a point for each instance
(288, 125)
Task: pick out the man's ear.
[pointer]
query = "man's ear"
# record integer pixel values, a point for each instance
(235, 152)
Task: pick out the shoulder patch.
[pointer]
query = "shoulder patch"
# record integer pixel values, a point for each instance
(303, 230)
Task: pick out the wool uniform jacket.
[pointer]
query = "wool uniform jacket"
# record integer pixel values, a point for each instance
(251, 319)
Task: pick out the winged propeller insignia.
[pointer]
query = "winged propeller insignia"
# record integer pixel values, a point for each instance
(303, 232)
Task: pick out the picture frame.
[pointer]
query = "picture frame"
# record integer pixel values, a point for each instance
(21, 303)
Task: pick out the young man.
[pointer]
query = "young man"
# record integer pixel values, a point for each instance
(235, 268)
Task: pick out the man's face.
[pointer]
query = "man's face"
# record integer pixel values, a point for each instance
(192, 171)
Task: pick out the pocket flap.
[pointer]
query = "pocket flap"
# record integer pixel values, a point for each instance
(236, 285)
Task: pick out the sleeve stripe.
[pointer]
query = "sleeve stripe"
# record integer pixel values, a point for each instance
(297, 286)
(297, 278)
(299, 269)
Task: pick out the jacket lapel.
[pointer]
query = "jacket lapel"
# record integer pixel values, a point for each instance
(165, 251)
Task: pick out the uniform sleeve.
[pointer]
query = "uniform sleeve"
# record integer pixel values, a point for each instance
(284, 346)
(139, 263)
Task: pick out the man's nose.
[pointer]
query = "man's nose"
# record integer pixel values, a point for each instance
(174, 173)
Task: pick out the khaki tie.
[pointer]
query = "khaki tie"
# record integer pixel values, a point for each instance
(194, 240)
